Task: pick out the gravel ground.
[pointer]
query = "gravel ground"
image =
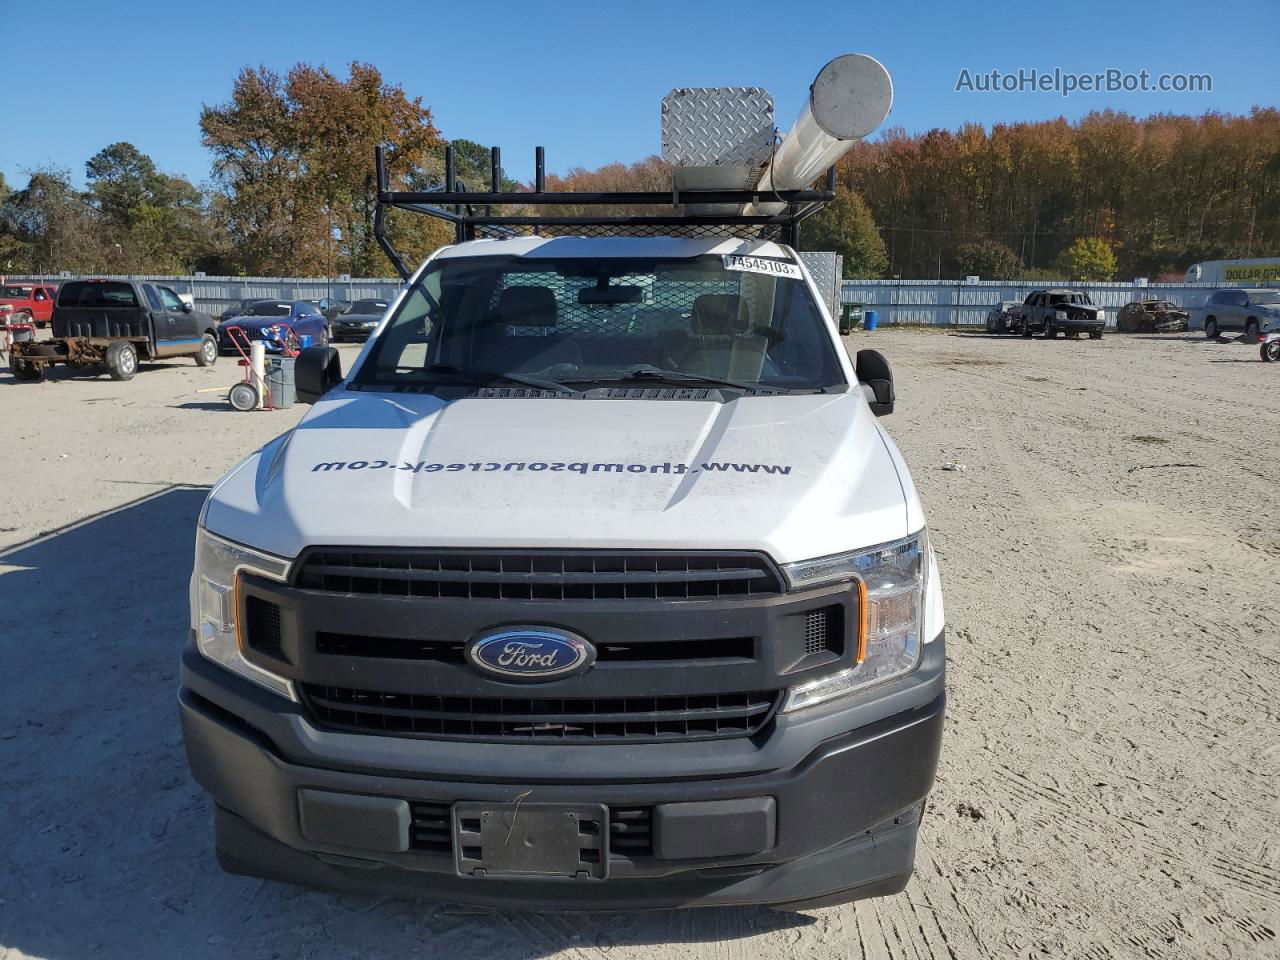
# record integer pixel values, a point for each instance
(1109, 540)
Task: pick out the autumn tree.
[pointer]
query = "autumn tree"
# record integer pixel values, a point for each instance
(846, 226)
(1162, 192)
(293, 157)
(652, 174)
(1089, 258)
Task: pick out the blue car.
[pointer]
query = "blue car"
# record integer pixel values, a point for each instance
(263, 320)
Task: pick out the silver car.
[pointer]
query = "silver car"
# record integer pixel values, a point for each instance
(1246, 310)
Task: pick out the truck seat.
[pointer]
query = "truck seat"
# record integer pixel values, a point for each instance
(532, 312)
(719, 322)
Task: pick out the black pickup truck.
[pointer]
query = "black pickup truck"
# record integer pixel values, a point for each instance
(117, 323)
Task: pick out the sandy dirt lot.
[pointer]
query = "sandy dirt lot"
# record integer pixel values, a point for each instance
(1110, 779)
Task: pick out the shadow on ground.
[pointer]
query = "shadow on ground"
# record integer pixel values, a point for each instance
(218, 405)
(105, 841)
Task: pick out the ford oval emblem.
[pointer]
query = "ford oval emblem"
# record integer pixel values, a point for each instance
(530, 654)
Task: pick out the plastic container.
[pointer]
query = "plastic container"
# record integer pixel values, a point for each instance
(304, 340)
(870, 320)
(280, 381)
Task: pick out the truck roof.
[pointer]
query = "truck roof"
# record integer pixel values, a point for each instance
(540, 247)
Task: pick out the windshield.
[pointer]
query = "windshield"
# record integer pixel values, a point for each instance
(594, 321)
(368, 306)
(1267, 298)
(15, 293)
(269, 309)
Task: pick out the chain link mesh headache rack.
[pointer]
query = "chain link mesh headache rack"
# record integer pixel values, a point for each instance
(731, 176)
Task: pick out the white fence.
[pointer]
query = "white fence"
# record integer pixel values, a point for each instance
(215, 294)
(946, 303)
(930, 302)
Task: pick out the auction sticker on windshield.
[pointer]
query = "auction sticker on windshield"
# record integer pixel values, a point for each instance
(775, 268)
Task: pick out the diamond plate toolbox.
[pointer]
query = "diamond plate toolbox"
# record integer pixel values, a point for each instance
(730, 128)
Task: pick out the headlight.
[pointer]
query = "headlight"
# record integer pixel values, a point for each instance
(216, 604)
(891, 580)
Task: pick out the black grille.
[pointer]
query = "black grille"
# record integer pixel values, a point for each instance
(431, 829)
(631, 831)
(527, 575)
(226, 338)
(262, 626)
(586, 720)
(823, 630)
(451, 651)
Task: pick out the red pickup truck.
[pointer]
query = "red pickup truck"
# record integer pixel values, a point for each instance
(31, 302)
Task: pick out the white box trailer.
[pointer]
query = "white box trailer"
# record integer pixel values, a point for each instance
(1258, 272)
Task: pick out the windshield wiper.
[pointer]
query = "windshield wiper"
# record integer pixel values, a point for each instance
(488, 376)
(679, 376)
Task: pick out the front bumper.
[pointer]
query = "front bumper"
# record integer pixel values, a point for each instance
(227, 345)
(1078, 324)
(341, 332)
(844, 804)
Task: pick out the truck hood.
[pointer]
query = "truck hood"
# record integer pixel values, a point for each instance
(796, 476)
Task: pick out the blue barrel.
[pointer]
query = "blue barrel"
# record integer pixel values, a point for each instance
(304, 340)
(870, 320)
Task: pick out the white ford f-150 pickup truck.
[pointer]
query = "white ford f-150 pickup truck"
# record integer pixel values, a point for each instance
(596, 583)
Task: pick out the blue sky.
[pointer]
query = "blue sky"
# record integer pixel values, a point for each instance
(586, 79)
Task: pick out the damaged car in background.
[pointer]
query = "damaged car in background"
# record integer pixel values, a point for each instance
(1151, 316)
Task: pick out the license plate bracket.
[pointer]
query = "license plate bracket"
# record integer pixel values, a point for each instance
(522, 839)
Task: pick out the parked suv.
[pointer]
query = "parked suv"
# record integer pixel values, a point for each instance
(595, 584)
(1060, 311)
(1246, 310)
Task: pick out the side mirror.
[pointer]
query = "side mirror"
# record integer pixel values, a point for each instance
(876, 376)
(186, 307)
(316, 371)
